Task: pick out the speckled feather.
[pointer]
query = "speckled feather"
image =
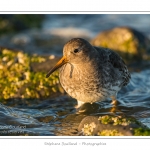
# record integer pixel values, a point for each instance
(93, 74)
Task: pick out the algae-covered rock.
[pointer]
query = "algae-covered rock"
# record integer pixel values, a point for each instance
(18, 78)
(129, 43)
(112, 126)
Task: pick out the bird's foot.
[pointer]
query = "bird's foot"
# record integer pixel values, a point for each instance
(115, 110)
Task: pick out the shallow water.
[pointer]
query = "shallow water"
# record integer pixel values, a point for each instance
(57, 116)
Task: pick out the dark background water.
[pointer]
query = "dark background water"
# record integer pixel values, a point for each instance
(57, 116)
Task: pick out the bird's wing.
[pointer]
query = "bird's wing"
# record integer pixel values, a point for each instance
(116, 61)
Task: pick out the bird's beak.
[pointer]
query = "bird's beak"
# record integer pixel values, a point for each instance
(61, 62)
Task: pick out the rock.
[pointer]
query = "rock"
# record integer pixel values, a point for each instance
(129, 43)
(23, 76)
(111, 126)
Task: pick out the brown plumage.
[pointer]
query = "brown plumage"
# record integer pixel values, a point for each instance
(90, 74)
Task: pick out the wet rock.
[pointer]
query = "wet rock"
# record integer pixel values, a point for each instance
(129, 43)
(68, 125)
(111, 126)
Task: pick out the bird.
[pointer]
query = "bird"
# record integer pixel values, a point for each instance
(91, 74)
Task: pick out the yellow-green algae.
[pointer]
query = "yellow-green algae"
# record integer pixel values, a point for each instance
(118, 120)
(110, 133)
(18, 81)
(88, 129)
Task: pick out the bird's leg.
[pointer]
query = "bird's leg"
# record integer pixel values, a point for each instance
(114, 103)
(80, 103)
(114, 108)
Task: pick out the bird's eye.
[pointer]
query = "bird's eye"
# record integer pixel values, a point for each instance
(76, 50)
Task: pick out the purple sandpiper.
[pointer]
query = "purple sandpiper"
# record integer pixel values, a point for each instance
(90, 74)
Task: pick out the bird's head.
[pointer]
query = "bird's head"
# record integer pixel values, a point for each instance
(75, 51)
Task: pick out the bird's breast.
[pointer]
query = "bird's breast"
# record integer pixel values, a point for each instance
(82, 83)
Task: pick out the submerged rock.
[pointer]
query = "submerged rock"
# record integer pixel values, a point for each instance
(129, 43)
